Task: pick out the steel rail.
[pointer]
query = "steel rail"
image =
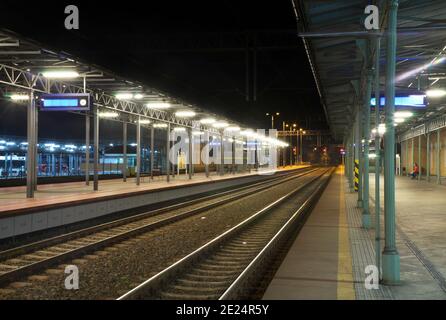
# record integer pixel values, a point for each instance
(122, 235)
(156, 283)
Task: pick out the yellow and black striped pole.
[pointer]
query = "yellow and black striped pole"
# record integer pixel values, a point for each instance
(356, 175)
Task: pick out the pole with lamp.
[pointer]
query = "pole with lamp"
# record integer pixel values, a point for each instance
(272, 115)
(302, 132)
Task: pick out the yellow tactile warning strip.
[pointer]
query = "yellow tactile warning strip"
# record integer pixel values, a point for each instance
(356, 175)
(345, 287)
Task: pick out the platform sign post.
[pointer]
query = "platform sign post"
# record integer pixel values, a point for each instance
(124, 151)
(378, 158)
(391, 258)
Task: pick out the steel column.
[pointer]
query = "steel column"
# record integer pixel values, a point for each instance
(366, 219)
(206, 153)
(428, 157)
(36, 137)
(152, 150)
(124, 151)
(438, 166)
(30, 147)
(378, 158)
(391, 258)
(168, 153)
(419, 157)
(222, 155)
(138, 152)
(412, 162)
(87, 148)
(358, 162)
(96, 149)
(190, 153)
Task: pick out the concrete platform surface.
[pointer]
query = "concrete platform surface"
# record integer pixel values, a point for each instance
(421, 237)
(329, 256)
(319, 263)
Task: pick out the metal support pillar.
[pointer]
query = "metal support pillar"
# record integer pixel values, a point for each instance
(87, 149)
(168, 153)
(222, 155)
(438, 166)
(96, 149)
(124, 152)
(36, 136)
(419, 157)
(31, 132)
(233, 155)
(152, 150)
(366, 219)
(206, 153)
(378, 158)
(390, 258)
(428, 157)
(189, 155)
(138, 152)
(412, 162)
(358, 162)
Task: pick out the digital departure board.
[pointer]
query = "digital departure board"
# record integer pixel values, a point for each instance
(65, 102)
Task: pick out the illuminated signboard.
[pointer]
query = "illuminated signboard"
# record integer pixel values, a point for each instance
(416, 101)
(65, 102)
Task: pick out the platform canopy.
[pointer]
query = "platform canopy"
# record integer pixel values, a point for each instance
(24, 63)
(333, 33)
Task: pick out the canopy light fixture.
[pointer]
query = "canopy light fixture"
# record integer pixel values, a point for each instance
(60, 74)
(108, 114)
(198, 133)
(158, 105)
(124, 96)
(403, 114)
(220, 125)
(145, 121)
(435, 93)
(179, 129)
(19, 97)
(399, 120)
(208, 121)
(233, 128)
(185, 114)
(138, 96)
(160, 125)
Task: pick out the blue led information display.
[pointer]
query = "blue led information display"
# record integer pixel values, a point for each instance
(65, 102)
(416, 101)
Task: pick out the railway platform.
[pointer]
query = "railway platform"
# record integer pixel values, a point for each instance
(65, 203)
(329, 256)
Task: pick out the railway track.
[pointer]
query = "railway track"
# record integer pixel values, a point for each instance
(21, 261)
(227, 266)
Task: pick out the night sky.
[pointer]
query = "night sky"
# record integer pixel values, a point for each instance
(190, 49)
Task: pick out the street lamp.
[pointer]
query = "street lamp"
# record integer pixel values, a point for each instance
(272, 117)
(302, 132)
